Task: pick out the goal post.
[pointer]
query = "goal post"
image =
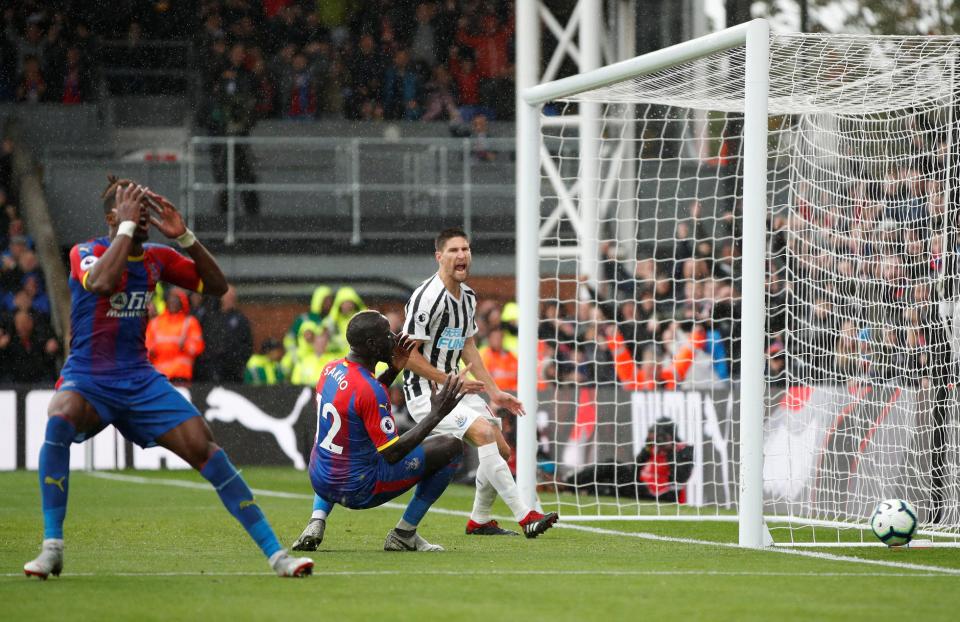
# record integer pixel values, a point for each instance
(755, 36)
(756, 270)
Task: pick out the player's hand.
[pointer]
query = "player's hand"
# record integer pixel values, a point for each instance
(128, 203)
(446, 400)
(502, 399)
(401, 351)
(165, 216)
(471, 385)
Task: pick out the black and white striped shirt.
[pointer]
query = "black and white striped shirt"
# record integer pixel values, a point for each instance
(443, 323)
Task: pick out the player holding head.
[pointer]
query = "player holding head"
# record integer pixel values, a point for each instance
(358, 460)
(107, 379)
(440, 318)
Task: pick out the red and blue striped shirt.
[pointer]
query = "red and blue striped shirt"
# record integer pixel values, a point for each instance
(354, 424)
(108, 332)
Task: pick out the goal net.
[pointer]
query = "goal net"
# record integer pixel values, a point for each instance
(641, 358)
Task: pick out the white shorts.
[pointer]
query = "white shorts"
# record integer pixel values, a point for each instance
(470, 408)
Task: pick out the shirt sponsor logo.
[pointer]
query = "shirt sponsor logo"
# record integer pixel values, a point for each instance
(451, 339)
(125, 305)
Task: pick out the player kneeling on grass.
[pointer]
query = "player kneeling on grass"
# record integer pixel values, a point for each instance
(440, 319)
(108, 380)
(358, 460)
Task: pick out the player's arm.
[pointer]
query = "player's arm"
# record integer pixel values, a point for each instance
(106, 272)
(168, 221)
(498, 398)
(422, 367)
(442, 404)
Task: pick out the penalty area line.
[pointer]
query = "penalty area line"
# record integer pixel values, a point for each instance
(919, 568)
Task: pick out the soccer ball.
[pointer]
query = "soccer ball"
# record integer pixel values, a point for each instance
(894, 522)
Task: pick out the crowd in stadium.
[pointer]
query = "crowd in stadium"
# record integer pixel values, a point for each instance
(859, 270)
(413, 60)
(409, 60)
(29, 350)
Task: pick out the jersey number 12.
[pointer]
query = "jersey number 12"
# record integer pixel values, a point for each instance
(327, 442)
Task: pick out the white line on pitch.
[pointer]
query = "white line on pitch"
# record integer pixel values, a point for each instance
(547, 573)
(135, 479)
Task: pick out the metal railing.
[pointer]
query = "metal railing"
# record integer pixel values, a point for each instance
(411, 177)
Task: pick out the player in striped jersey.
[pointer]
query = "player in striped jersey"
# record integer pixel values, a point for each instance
(440, 317)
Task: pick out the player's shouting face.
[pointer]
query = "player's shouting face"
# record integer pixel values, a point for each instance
(454, 259)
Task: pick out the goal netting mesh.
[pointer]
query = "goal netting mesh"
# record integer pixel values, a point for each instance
(640, 348)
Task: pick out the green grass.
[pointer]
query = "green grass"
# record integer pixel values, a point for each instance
(127, 542)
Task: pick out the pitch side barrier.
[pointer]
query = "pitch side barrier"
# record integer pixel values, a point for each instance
(814, 436)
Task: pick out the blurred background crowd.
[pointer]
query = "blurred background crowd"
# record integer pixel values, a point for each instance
(384, 59)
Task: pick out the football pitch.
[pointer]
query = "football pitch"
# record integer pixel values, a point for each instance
(159, 546)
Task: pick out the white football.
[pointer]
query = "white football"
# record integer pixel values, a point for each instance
(894, 522)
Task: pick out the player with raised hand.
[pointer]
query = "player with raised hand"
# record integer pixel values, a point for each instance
(107, 379)
(358, 460)
(440, 317)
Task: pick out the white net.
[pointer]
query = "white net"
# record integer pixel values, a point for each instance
(641, 351)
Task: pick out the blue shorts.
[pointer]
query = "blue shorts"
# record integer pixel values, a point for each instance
(141, 407)
(388, 481)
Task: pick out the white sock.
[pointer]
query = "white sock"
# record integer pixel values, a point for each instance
(495, 470)
(483, 500)
(404, 525)
(321, 514)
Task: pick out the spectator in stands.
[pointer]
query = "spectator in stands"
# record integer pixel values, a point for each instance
(231, 111)
(490, 45)
(346, 304)
(174, 338)
(423, 42)
(502, 364)
(70, 79)
(264, 368)
(366, 72)
(31, 86)
(298, 88)
(467, 80)
(227, 337)
(310, 364)
(320, 304)
(11, 275)
(401, 89)
(26, 355)
(266, 93)
(30, 44)
(441, 103)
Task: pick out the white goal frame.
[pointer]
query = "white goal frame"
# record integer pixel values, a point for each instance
(755, 36)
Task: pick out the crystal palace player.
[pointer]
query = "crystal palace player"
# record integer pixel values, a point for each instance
(107, 378)
(358, 460)
(440, 317)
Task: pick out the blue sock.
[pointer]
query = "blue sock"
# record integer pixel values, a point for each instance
(429, 490)
(55, 474)
(321, 506)
(239, 501)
